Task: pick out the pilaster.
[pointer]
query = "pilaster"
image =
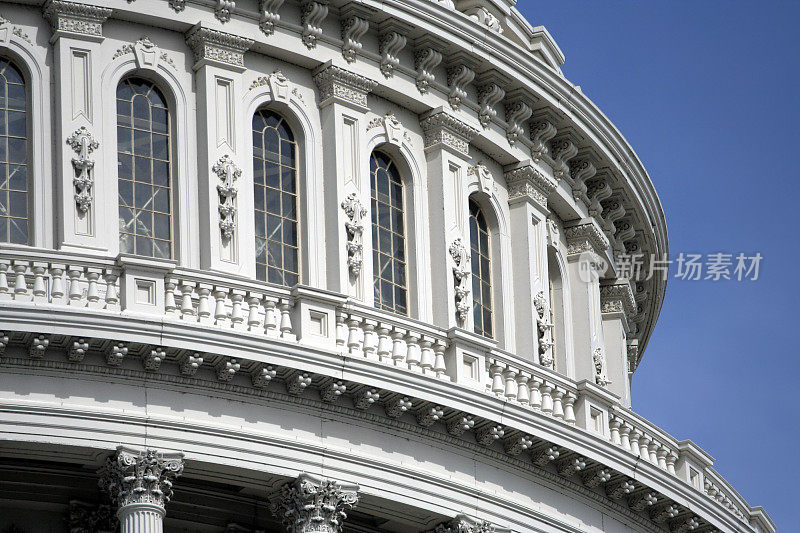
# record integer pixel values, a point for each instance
(139, 483)
(586, 264)
(311, 504)
(226, 205)
(343, 109)
(528, 189)
(617, 306)
(77, 34)
(448, 166)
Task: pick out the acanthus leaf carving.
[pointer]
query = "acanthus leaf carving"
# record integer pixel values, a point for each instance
(336, 82)
(458, 77)
(223, 10)
(443, 128)
(135, 477)
(311, 17)
(488, 96)
(228, 172)
(353, 29)
(355, 212)
(73, 17)
(392, 43)
(83, 143)
(561, 151)
(517, 112)
(311, 504)
(425, 60)
(461, 272)
(541, 132)
(269, 15)
(465, 524)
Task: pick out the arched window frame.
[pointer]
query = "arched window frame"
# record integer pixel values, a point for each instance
(31, 62)
(563, 354)
(481, 269)
(310, 188)
(173, 86)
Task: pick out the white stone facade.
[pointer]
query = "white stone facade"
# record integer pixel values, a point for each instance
(190, 393)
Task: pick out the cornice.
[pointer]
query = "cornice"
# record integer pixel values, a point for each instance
(441, 128)
(217, 47)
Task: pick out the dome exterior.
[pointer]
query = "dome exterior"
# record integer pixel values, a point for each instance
(324, 266)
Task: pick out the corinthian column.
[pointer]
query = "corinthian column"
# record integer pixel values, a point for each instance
(140, 485)
(310, 504)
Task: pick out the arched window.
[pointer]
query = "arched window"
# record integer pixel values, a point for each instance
(388, 235)
(144, 169)
(275, 193)
(13, 155)
(481, 270)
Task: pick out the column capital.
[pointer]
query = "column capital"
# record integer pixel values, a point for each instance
(440, 128)
(218, 48)
(526, 182)
(617, 298)
(77, 20)
(140, 476)
(465, 524)
(586, 236)
(312, 504)
(343, 86)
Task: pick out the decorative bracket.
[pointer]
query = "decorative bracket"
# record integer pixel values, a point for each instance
(269, 15)
(312, 15)
(458, 77)
(488, 96)
(82, 142)
(425, 60)
(392, 42)
(223, 10)
(461, 273)
(227, 171)
(355, 23)
(355, 212)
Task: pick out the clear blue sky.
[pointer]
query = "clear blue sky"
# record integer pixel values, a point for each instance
(707, 94)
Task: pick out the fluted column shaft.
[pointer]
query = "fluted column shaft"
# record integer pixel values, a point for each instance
(141, 518)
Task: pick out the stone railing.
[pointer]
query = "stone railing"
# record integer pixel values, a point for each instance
(321, 319)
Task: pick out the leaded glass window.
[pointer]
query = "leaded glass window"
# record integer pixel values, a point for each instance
(388, 235)
(14, 165)
(481, 270)
(144, 169)
(275, 197)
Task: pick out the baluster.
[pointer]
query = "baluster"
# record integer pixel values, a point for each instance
(253, 314)
(438, 363)
(187, 304)
(426, 356)
(110, 276)
(270, 320)
(20, 285)
(569, 408)
(204, 306)
(286, 320)
(413, 356)
(353, 335)
(39, 288)
(341, 329)
(547, 399)
(672, 458)
(498, 387)
(558, 406)
(510, 389)
(653, 450)
(635, 436)
(535, 385)
(75, 293)
(370, 339)
(624, 436)
(661, 457)
(220, 310)
(523, 392)
(92, 292)
(384, 343)
(613, 428)
(237, 317)
(57, 276)
(398, 347)
(170, 306)
(644, 444)
(5, 265)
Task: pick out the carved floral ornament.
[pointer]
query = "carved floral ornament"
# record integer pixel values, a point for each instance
(280, 87)
(461, 273)
(443, 129)
(75, 18)
(228, 172)
(147, 53)
(466, 524)
(5, 34)
(393, 129)
(132, 477)
(341, 84)
(83, 144)
(218, 47)
(355, 212)
(314, 505)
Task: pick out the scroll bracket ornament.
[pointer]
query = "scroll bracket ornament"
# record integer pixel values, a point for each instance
(269, 15)
(82, 142)
(227, 172)
(355, 212)
(545, 330)
(391, 44)
(140, 477)
(314, 505)
(461, 273)
(312, 15)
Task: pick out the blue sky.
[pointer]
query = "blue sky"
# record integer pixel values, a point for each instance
(707, 94)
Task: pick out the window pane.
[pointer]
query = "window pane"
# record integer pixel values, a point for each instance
(480, 269)
(14, 149)
(145, 214)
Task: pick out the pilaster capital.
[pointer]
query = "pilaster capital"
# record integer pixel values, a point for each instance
(311, 504)
(617, 298)
(140, 476)
(441, 129)
(527, 183)
(76, 20)
(466, 524)
(585, 236)
(214, 47)
(343, 86)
